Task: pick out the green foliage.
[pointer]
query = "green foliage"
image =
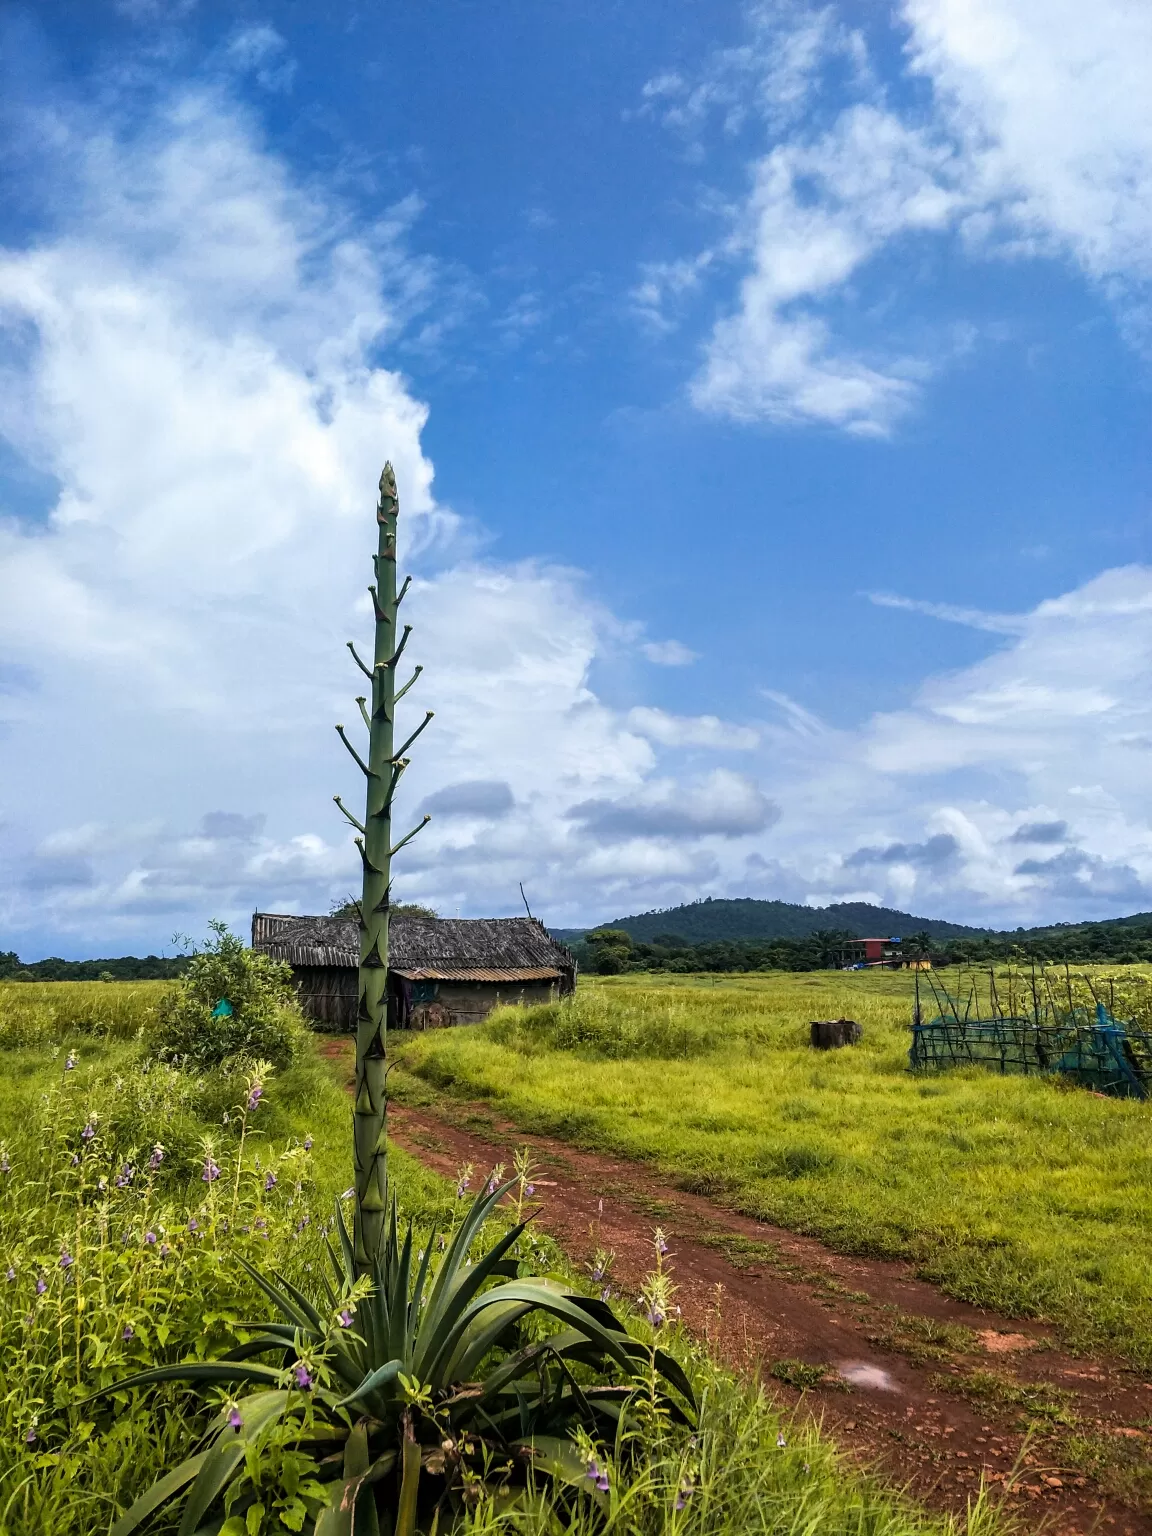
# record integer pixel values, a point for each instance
(1014, 1193)
(415, 1387)
(118, 968)
(45, 1013)
(719, 920)
(88, 1463)
(263, 1020)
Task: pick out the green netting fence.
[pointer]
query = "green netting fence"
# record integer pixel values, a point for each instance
(1033, 1031)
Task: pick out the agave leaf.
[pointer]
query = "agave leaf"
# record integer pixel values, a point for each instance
(281, 1300)
(482, 1334)
(256, 1411)
(219, 1466)
(262, 1346)
(161, 1490)
(542, 1296)
(380, 1377)
(453, 1260)
(437, 1326)
(346, 1246)
(561, 1460)
(422, 1272)
(398, 1301)
(194, 1371)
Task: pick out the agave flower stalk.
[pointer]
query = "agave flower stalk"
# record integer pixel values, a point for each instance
(382, 771)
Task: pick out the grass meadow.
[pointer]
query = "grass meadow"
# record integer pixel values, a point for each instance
(113, 1258)
(1021, 1194)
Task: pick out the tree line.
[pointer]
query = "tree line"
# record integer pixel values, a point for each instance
(612, 951)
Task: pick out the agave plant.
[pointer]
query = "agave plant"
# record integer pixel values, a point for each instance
(410, 1390)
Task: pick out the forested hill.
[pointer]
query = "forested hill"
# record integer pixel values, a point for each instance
(715, 920)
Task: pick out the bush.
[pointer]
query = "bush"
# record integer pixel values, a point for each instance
(265, 1022)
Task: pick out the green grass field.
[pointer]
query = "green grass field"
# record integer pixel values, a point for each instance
(1017, 1193)
(100, 1275)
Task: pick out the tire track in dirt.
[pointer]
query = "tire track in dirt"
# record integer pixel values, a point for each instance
(900, 1355)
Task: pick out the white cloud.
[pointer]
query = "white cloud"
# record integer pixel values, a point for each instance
(193, 363)
(1035, 141)
(669, 653)
(952, 613)
(691, 730)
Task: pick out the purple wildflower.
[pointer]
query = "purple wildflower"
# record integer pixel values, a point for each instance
(303, 1376)
(269, 1180)
(66, 1259)
(88, 1132)
(606, 1293)
(125, 1176)
(235, 1420)
(685, 1493)
(344, 1318)
(129, 1332)
(156, 1159)
(260, 1223)
(102, 1185)
(150, 1238)
(461, 1187)
(255, 1096)
(307, 1143)
(41, 1285)
(348, 1193)
(655, 1316)
(598, 1475)
(224, 1224)
(211, 1171)
(70, 1062)
(780, 1440)
(193, 1225)
(75, 1159)
(530, 1189)
(661, 1246)
(11, 1275)
(164, 1250)
(31, 1437)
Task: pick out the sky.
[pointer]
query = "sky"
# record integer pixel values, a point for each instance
(768, 390)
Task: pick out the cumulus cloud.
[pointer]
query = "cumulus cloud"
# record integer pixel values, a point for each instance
(1040, 832)
(691, 730)
(483, 798)
(722, 804)
(1033, 141)
(931, 854)
(669, 653)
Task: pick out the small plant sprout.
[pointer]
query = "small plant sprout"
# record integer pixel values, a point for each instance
(524, 1173)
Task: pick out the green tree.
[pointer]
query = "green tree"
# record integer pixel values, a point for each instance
(232, 1001)
(610, 949)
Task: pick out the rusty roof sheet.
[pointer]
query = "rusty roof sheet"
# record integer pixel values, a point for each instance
(482, 973)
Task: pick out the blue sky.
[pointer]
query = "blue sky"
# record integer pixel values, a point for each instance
(768, 388)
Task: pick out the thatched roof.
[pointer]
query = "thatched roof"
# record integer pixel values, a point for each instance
(421, 948)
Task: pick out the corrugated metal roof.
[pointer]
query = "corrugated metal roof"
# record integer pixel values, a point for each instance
(481, 973)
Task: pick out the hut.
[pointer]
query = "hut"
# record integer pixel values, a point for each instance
(440, 970)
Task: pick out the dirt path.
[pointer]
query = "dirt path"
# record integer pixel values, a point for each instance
(939, 1394)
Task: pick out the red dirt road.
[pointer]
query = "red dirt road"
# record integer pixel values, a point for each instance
(898, 1392)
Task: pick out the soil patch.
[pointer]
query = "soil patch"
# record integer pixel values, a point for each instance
(936, 1394)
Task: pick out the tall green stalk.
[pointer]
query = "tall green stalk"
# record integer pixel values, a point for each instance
(382, 772)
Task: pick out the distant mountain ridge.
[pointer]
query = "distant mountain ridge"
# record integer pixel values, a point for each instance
(744, 917)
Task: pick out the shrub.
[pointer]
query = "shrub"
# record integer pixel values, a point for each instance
(263, 1019)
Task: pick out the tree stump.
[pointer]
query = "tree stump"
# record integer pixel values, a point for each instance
(827, 1034)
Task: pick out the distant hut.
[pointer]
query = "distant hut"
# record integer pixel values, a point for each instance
(440, 970)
